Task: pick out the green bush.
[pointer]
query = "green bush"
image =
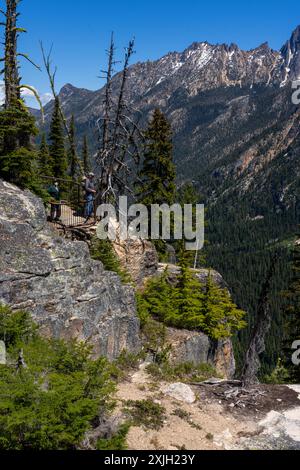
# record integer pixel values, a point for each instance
(127, 361)
(185, 372)
(190, 304)
(50, 403)
(117, 442)
(280, 375)
(185, 416)
(15, 327)
(145, 413)
(102, 250)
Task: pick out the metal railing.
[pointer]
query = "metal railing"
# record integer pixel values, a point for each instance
(71, 209)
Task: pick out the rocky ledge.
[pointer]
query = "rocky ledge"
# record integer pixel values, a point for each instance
(68, 294)
(71, 296)
(197, 348)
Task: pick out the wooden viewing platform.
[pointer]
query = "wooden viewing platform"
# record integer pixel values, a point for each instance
(71, 206)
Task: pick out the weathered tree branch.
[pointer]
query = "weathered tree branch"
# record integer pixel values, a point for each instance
(118, 133)
(51, 76)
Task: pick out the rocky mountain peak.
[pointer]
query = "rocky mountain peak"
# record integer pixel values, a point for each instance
(68, 89)
(201, 67)
(295, 39)
(291, 55)
(263, 47)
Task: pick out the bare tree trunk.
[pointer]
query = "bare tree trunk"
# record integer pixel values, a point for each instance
(51, 76)
(104, 135)
(257, 340)
(11, 73)
(117, 134)
(108, 93)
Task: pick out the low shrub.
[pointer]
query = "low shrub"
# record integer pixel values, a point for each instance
(145, 413)
(102, 250)
(59, 393)
(185, 372)
(117, 442)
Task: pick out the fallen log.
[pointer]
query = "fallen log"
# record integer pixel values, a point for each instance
(216, 382)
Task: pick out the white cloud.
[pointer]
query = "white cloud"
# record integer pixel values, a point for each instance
(30, 99)
(46, 97)
(28, 96)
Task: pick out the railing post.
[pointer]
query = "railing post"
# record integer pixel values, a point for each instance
(71, 209)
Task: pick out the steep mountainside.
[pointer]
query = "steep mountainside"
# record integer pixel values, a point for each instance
(230, 109)
(236, 136)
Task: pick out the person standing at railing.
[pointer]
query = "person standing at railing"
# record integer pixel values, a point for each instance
(90, 192)
(54, 192)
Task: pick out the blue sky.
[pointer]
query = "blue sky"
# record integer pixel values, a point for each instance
(80, 31)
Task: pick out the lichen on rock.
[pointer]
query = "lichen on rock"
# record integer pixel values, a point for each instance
(68, 294)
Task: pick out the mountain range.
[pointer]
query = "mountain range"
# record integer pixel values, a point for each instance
(230, 110)
(236, 137)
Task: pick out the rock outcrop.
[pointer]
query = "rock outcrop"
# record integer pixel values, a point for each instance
(72, 296)
(138, 257)
(201, 274)
(197, 348)
(193, 346)
(68, 294)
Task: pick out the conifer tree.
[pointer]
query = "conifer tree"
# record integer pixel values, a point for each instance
(44, 160)
(191, 304)
(189, 299)
(79, 389)
(57, 144)
(86, 156)
(102, 250)
(17, 126)
(158, 300)
(157, 176)
(221, 315)
(156, 179)
(72, 158)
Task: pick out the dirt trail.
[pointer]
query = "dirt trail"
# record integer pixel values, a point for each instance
(214, 425)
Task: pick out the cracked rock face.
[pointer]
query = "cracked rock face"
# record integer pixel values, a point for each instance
(197, 348)
(68, 294)
(138, 258)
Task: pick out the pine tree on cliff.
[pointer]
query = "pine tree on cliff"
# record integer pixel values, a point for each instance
(72, 158)
(156, 179)
(44, 161)
(57, 144)
(86, 156)
(189, 299)
(222, 317)
(156, 183)
(17, 126)
(191, 304)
